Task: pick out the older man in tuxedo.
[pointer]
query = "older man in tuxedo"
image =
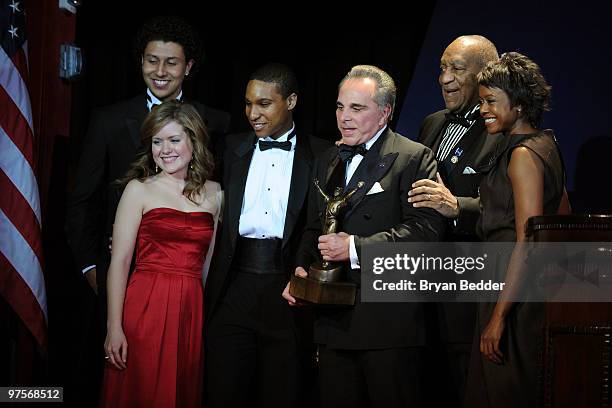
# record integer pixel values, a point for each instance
(458, 138)
(368, 356)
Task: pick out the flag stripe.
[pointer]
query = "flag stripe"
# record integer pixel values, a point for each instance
(20, 255)
(19, 213)
(21, 64)
(15, 125)
(12, 82)
(14, 165)
(21, 299)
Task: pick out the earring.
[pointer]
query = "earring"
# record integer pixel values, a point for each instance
(156, 169)
(191, 165)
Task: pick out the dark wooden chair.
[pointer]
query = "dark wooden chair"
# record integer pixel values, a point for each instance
(575, 370)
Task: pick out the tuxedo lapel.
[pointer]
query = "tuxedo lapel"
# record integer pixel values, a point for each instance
(300, 181)
(372, 168)
(235, 192)
(134, 119)
(435, 137)
(333, 163)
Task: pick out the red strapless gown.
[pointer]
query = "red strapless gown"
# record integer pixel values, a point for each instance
(163, 314)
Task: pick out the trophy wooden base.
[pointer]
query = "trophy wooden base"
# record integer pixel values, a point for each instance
(323, 293)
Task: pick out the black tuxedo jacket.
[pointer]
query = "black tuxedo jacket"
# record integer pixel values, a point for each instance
(455, 322)
(477, 148)
(111, 144)
(395, 162)
(237, 159)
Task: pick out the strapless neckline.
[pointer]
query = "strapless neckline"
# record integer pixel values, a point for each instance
(174, 210)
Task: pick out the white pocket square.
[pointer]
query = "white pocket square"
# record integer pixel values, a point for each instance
(376, 188)
(469, 170)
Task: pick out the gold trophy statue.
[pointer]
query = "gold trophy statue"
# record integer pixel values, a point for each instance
(325, 283)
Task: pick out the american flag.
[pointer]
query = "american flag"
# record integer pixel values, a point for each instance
(21, 279)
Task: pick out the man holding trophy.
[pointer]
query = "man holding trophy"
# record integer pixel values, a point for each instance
(368, 352)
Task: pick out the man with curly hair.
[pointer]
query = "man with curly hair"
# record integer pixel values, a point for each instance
(168, 50)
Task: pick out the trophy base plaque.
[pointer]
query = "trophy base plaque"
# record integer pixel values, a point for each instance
(323, 293)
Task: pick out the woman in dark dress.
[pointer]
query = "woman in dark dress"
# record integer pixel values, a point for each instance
(526, 178)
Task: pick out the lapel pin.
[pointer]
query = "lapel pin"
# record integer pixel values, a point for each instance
(456, 155)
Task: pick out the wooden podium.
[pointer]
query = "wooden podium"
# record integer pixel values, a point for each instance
(575, 365)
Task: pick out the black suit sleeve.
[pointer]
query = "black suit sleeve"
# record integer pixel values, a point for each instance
(422, 132)
(308, 251)
(418, 224)
(469, 211)
(426, 130)
(217, 125)
(84, 218)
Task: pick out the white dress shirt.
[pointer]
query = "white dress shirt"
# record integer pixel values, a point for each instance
(453, 134)
(266, 193)
(153, 100)
(351, 166)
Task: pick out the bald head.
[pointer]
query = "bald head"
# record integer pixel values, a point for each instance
(477, 47)
(462, 60)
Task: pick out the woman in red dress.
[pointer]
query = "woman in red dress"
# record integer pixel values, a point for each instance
(168, 212)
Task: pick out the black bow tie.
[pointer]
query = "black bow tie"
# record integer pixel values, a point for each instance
(264, 145)
(454, 118)
(347, 152)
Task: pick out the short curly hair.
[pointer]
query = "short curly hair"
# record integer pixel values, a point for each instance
(521, 79)
(170, 29)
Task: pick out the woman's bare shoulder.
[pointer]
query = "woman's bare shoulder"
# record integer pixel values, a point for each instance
(212, 186)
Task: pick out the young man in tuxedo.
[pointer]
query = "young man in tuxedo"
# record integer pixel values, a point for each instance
(253, 351)
(459, 139)
(367, 355)
(169, 51)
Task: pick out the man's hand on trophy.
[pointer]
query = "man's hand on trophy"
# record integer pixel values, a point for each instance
(299, 271)
(335, 247)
